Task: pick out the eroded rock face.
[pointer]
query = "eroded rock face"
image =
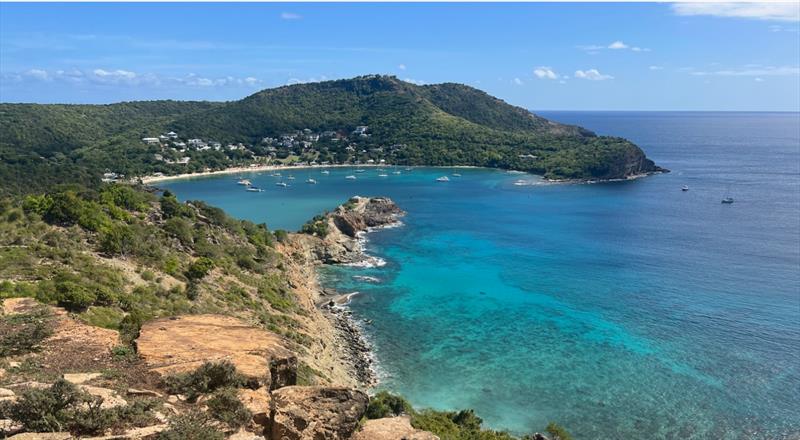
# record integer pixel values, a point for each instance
(341, 245)
(360, 213)
(184, 343)
(392, 428)
(315, 413)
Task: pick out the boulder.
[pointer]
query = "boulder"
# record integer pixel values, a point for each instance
(258, 402)
(315, 413)
(392, 428)
(181, 344)
(41, 436)
(81, 378)
(283, 372)
(110, 397)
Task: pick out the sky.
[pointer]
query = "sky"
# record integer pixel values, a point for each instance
(541, 56)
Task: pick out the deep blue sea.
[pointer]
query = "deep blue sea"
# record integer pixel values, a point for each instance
(628, 310)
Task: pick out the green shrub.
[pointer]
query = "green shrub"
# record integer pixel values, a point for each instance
(199, 268)
(148, 275)
(118, 239)
(557, 432)
(384, 404)
(181, 229)
(316, 226)
(281, 235)
(106, 317)
(129, 327)
(191, 425)
(73, 296)
(22, 333)
(210, 377)
(225, 406)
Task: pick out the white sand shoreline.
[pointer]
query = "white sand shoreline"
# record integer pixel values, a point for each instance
(261, 168)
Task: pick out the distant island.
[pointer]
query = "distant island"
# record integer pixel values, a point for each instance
(368, 119)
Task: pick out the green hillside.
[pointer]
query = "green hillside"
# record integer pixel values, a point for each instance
(444, 124)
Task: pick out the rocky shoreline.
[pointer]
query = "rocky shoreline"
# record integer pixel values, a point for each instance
(343, 244)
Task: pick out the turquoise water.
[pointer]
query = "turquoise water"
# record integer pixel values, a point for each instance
(623, 310)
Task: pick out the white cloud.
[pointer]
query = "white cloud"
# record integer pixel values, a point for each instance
(293, 81)
(39, 74)
(544, 72)
(415, 81)
(123, 77)
(290, 16)
(114, 74)
(401, 67)
(656, 68)
(788, 11)
(518, 82)
(618, 45)
(592, 75)
(779, 28)
(752, 71)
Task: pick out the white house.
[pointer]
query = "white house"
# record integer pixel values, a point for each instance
(150, 141)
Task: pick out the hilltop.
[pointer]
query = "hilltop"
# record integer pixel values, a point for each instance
(344, 121)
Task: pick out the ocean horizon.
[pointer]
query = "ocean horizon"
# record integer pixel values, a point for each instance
(622, 310)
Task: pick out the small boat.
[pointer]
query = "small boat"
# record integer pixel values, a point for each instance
(244, 182)
(283, 184)
(311, 181)
(254, 189)
(684, 188)
(521, 182)
(275, 174)
(359, 171)
(350, 177)
(727, 200)
(408, 169)
(383, 175)
(456, 175)
(442, 179)
(290, 177)
(325, 172)
(396, 172)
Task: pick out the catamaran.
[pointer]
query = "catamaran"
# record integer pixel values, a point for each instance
(311, 181)
(442, 179)
(244, 182)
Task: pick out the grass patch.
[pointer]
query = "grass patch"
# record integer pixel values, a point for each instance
(106, 317)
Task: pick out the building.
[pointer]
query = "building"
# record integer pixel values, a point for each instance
(150, 141)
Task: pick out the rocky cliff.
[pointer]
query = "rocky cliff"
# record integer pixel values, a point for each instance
(340, 243)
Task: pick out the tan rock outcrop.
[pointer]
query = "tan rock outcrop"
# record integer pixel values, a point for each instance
(258, 403)
(392, 428)
(184, 343)
(315, 413)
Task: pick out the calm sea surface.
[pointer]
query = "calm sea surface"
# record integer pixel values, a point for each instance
(627, 310)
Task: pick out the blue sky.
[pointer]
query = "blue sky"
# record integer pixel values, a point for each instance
(566, 56)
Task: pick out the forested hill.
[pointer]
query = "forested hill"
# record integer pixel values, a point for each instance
(401, 123)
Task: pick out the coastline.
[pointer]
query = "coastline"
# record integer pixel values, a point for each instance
(344, 344)
(150, 179)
